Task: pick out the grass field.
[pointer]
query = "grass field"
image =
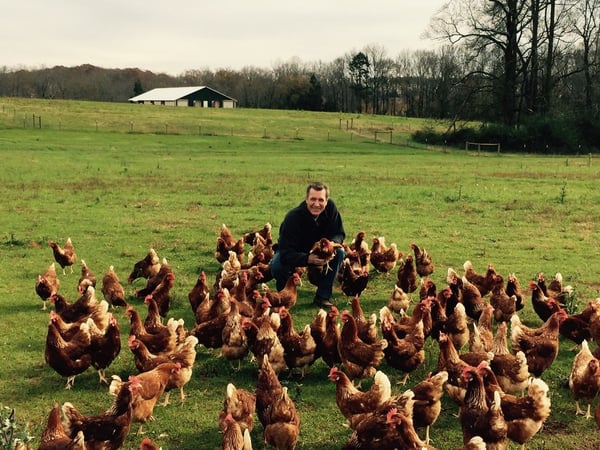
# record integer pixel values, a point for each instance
(118, 189)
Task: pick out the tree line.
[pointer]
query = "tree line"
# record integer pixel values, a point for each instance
(528, 70)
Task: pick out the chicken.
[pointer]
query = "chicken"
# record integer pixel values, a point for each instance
(512, 371)
(153, 322)
(162, 293)
(367, 328)
(478, 417)
(543, 305)
(524, 416)
(233, 437)
(428, 401)
(555, 288)
(350, 400)
(287, 296)
(145, 268)
(405, 324)
(407, 434)
(405, 354)
(65, 256)
(427, 288)
(54, 436)
(152, 385)
(105, 345)
(298, 348)
(234, 341)
(325, 250)
(112, 289)
(399, 300)
(263, 340)
(475, 443)
(584, 380)
(147, 444)
(360, 359)
(267, 388)
(164, 340)
(513, 287)
(68, 358)
(457, 327)
(352, 281)
(359, 252)
(329, 349)
(226, 242)
(485, 328)
(407, 274)
(107, 430)
(86, 274)
(504, 305)
(423, 262)
(47, 284)
(483, 282)
(540, 345)
(283, 422)
(578, 327)
(155, 280)
(241, 405)
(80, 309)
(318, 328)
(471, 298)
(384, 258)
(199, 292)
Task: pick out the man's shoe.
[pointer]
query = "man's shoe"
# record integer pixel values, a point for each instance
(322, 302)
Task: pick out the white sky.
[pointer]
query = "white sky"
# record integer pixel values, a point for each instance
(176, 35)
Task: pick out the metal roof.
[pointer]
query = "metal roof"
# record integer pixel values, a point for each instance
(168, 94)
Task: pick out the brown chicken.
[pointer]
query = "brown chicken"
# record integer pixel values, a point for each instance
(407, 274)
(65, 256)
(404, 354)
(145, 268)
(267, 388)
(351, 401)
(504, 305)
(298, 348)
(107, 430)
(47, 284)
(428, 401)
(483, 282)
(80, 309)
(112, 289)
(54, 436)
(86, 274)
(318, 328)
(457, 327)
(162, 294)
(360, 359)
(283, 422)
(164, 340)
(329, 349)
(543, 306)
(233, 437)
(287, 296)
(147, 444)
(152, 385)
(105, 345)
(399, 300)
(471, 298)
(513, 287)
(485, 327)
(324, 249)
(234, 340)
(241, 405)
(155, 280)
(423, 261)
(584, 380)
(359, 252)
(367, 327)
(199, 292)
(524, 416)
(262, 337)
(353, 281)
(383, 257)
(540, 345)
(226, 242)
(480, 417)
(512, 371)
(68, 358)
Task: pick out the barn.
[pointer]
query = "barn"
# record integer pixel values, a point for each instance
(198, 96)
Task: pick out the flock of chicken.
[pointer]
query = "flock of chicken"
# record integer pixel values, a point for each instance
(499, 392)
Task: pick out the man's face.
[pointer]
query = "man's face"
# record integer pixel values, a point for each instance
(316, 201)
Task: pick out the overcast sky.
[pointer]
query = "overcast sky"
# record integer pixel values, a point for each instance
(176, 35)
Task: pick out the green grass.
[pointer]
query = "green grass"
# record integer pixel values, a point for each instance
(116, 193)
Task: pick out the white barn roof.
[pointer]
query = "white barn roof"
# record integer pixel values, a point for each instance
(166, 94)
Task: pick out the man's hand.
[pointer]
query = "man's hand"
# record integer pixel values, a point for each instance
(315, 260)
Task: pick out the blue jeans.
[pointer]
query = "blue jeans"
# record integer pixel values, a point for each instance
(282, 273)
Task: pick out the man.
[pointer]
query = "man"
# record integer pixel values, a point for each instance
(315, 218)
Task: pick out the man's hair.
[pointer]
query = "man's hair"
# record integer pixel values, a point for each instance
(318, 186)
